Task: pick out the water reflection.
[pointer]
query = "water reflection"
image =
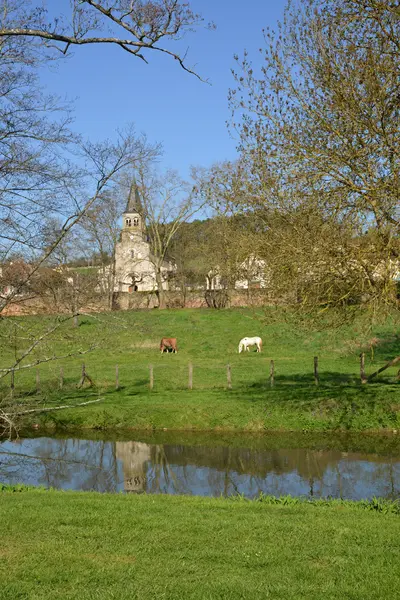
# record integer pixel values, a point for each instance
(137, 466)
(135, 458)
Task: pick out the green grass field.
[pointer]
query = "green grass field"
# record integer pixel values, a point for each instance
(93, 546)
(209, 340)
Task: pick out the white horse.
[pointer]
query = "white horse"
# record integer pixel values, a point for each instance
(247, 341)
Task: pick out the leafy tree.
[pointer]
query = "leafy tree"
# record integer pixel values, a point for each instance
(319, 141)
(232, 245)
(189, 250)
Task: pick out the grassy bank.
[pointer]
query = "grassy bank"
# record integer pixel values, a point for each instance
(208, 339)
(86, 545)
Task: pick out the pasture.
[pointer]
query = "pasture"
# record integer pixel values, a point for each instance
(89, 545)
(208, 340)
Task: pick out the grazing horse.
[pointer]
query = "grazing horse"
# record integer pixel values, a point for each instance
(250, 341)
(168, 344)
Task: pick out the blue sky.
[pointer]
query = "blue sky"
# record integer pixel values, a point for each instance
(110, 88)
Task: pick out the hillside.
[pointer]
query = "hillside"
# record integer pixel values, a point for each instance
(209, 340)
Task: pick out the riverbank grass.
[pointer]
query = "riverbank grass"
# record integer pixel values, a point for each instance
(85, 545)
(208, 340)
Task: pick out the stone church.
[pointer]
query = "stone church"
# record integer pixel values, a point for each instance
(134, 264)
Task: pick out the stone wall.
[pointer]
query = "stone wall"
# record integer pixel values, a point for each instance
(191, 299)
(39, 306)
(143, 301)
(134, 300)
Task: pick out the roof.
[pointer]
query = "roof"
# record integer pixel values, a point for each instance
(134, 204)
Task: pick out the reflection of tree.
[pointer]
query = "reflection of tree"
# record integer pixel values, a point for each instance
(226, 470)
(203, 470)
(307, 463)
(60, 463)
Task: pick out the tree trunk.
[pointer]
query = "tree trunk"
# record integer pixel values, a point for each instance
(75, 321)
(160, 290)
(111, 281)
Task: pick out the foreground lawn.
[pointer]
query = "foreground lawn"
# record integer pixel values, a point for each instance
(208, 339)
(85, 545)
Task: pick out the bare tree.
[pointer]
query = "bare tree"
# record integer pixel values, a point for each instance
(101, 227)
(34, 144)
(39, 173)
(45, 171)
(102, 162)
(136, 26)
(100, 231)
(167, 203)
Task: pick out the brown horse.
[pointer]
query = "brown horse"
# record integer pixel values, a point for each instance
(167, 344)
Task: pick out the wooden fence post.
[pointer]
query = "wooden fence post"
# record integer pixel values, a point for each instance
(85, 376)
(116, 377)
(229, 376)
(190, 385)
(37, 381)
(151, 377)
(316, 376)
(362, 368)
(272, 373)
(12, 383)
(61, 378)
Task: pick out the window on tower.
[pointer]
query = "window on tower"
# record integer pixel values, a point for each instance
(128, 222)
(135, 222)
(132, 254)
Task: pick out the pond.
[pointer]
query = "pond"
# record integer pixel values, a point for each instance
(352, 467)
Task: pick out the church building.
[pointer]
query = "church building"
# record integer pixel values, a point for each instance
(134, 265)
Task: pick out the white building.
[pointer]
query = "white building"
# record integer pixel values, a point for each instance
(134, 263)
(251, 273)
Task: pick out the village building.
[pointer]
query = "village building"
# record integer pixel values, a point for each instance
(134, 264)
(251, 274)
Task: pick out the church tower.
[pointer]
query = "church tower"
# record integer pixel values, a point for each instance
(134, 268)
(133, 226)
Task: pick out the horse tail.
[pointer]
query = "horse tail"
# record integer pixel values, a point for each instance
(260, 344)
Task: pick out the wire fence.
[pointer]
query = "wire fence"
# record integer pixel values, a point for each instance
(171, 376)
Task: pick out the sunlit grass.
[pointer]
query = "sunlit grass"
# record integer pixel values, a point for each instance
(208, 339)
(86, 545)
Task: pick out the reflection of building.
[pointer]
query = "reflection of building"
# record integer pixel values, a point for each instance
(134, 456)
(134, 264)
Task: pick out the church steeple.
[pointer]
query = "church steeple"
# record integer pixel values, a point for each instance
(134, 204)
(133, 214)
